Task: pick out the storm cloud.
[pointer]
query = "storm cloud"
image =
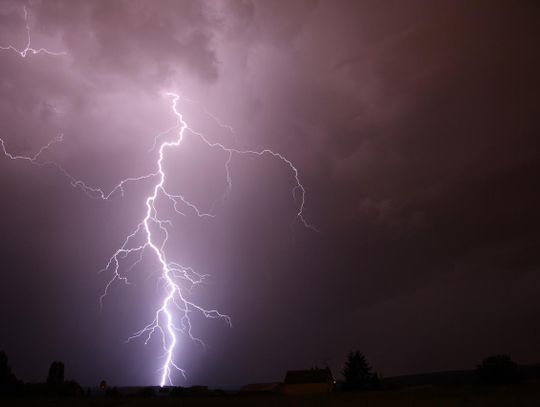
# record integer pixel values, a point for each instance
(413, 126)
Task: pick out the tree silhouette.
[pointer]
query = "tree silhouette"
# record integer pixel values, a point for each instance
(5, 368)
(56, 374)
(498, 369)
(8, 381)
(358, 373)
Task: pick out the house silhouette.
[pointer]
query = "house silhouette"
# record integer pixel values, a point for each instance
(311, 381)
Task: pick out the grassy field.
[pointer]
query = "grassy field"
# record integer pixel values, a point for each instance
(515, 395)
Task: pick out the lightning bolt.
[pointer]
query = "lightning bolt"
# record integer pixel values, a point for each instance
(151, 234)
(179, 279)
(28, 48)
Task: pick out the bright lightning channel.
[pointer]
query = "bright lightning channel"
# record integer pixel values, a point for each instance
(172, 317)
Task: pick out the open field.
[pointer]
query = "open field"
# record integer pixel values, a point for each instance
(514, 395)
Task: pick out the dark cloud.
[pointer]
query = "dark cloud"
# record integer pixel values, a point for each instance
(134, 40)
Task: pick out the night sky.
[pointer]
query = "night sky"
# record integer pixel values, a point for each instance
(415, 130)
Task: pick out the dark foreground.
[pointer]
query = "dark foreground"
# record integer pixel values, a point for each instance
(514, 395)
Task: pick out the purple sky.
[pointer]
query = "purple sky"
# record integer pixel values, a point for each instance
(414, 127)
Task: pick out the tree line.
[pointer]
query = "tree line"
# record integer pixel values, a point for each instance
(359, 375)
(54, 385)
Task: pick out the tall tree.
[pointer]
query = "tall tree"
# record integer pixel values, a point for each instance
(56, 374)
(8, 381)
(358, 373)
